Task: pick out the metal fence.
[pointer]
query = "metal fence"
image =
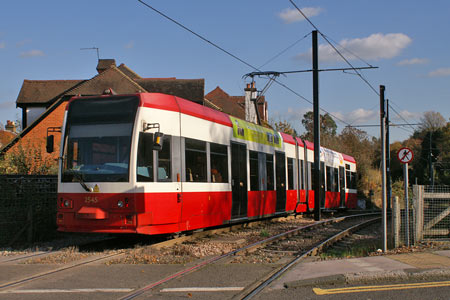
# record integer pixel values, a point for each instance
(27, 208)
(427, 219)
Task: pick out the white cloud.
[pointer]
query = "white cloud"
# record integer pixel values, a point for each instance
(129, 45)
(31, 53)
(413, 61)
(357, 116)
(442, 72)
(374, 47)
(289, 15)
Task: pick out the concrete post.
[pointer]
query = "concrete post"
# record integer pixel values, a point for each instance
(418, 191)
(396, 218)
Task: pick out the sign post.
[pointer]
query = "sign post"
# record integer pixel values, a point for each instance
(405, 156)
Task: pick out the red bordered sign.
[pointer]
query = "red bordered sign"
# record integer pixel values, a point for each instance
(405, 155)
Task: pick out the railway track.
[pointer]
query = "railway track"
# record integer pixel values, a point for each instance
(306, 235)
(253, 291)
(93, 251)
(268, 243)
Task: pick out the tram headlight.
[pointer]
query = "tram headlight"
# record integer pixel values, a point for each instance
(66, 203)
(120, 204)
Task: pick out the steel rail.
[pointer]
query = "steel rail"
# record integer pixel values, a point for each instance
(246, 248)
(54, 271)
(312, 251)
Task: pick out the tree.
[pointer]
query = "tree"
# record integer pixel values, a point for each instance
(285, 127)
(327, 127)
(432, 121)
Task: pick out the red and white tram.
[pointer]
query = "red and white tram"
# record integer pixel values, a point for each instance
(153, 164)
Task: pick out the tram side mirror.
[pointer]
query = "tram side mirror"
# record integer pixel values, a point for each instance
(50, 143)
(158, 141)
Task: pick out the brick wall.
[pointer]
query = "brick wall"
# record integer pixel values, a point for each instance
(35, 139)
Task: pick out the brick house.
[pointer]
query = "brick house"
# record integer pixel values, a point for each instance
(43, 102)
(236, 105)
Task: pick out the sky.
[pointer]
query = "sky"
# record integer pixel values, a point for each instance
(406, 39)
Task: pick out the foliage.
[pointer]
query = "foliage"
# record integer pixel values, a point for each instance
(285, 127)
(432, 121)
(327, 127)
(26, 161)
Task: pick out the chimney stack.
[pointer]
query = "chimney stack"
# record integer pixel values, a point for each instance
(104, 64)
(250, 98)
(10, 126)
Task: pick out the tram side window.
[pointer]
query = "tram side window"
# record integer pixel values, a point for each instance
(350, 178)
(145, 157)
(164, 169)
(311, 175)
(332, 179)
(290, 167)
(301, 166)
(254, 171)
(219, 163)
(195, 152)
(269, 168)
(336, 179)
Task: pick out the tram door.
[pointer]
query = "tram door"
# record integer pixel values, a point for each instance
(280, 169)
(323, 184)
(342, 185)
(238, 181)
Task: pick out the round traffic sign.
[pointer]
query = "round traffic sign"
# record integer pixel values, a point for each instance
(405, 155)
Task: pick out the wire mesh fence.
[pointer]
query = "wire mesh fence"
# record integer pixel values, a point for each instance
(426, 219)
(27, 208)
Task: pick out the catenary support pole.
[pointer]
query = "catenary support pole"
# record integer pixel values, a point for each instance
(388, 160)
(316, 113)
(383, 166)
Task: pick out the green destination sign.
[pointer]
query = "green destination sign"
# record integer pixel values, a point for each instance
(255, 133)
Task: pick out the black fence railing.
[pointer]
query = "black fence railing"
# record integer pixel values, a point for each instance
(27, 208)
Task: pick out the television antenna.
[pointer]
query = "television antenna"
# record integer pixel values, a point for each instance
(93, 48)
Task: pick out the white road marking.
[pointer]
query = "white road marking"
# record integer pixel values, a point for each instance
(48, 291)
(203, 289)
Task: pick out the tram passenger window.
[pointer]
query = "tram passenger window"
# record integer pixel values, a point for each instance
(219, 163)
(301, 166)
(254, 171)
(290, 167)
(311, 176)
(350, 177)
(195, 152)
(336, 179)
(332, 179)
(164, 170)
(269, 168)
(145, 157)
(354, 180)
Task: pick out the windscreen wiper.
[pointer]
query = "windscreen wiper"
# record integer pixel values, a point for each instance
(79, 178)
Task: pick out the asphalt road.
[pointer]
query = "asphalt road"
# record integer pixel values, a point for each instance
(402, 290)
